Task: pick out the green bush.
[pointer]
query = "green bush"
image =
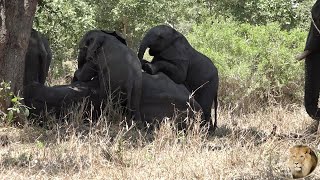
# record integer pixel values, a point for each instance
(254, 62)
(64, 23)
(289, 14)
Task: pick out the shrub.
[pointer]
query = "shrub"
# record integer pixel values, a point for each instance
(64, 23)
(254, 62)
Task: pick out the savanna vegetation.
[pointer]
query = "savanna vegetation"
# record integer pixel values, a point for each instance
(253, 44)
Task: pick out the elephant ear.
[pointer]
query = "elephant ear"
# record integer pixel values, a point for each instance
(178, 50)
(117, 35)
(315, 11)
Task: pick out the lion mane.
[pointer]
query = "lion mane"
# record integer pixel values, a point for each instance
(302, 161)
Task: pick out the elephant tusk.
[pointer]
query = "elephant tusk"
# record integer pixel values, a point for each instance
(302, 55)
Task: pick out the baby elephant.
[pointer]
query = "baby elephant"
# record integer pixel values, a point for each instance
(117, 66)
(174, 56)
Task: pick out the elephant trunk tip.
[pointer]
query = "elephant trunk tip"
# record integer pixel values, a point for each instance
(142, 49)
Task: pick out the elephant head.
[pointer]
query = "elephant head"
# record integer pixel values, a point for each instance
(94, 47)
(159, 39)
(88, 39)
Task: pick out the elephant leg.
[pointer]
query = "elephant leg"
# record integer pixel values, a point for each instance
(205, 97)
(136, 97)
(177, 73)
(129, 100)
(312, 85)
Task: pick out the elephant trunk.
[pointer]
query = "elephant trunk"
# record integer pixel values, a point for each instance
(143, 47)
(312, 85)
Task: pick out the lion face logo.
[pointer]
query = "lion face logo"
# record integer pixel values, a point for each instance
(302, 161)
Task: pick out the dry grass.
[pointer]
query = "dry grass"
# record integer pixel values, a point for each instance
(112, 150)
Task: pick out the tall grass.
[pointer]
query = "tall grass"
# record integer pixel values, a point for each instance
(241, 148)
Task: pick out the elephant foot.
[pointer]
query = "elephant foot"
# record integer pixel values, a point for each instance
(208, 125)
(212, 129)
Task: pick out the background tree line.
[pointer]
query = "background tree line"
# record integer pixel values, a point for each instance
(253, 43)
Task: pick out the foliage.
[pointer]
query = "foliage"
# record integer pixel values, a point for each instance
(17, 110)
(288, 13)
(134, 17)
(260, 59)
(251, 42)
(64, 23)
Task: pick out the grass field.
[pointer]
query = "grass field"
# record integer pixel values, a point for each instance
(241, 148)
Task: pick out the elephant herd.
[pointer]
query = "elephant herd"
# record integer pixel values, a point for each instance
(178, 79)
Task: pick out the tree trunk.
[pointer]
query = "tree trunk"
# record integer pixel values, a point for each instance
(16, 17)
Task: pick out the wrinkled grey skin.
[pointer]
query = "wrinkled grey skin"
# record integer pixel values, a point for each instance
(118, 68)
(161, 97)
(58, 98)
(90, 69)
(38, 59)
(312, 66)
(313, 39)
(174, 56)
(87, 39)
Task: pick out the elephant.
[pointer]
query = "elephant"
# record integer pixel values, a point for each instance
(117, 66)
(175, 57)
(312, 65)
(38, 58)
(41, 98)
(86, 40)
(161, 97)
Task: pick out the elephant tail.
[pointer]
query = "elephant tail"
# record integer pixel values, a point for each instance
(215, 111)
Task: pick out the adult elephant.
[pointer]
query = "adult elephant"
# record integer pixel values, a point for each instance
(312, 65)
(118, 68)
(38, 58)
(56, 99)
(174, 56)
(161, 97)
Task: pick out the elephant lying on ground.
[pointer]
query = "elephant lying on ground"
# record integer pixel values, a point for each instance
(174, 56)
(38, 59)
(58, 98)
(119, 69)
(161, 97)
